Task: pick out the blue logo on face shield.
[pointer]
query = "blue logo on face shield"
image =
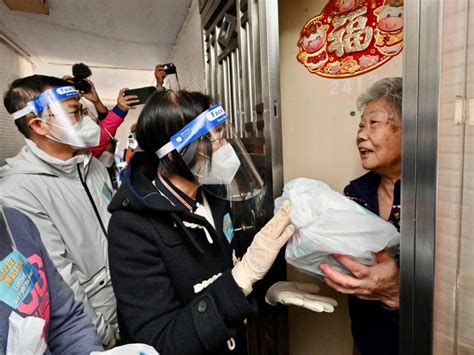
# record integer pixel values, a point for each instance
(50, 96)
(215, 113)
(198, 127)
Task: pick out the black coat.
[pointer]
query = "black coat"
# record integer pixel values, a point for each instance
(155, 262)
(375, 328)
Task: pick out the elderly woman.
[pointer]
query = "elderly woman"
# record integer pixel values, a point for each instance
(374, 290)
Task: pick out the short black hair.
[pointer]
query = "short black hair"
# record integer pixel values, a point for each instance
(164, 114)
(80, 71)
(23, 90)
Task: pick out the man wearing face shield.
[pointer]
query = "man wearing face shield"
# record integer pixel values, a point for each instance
(63, 189)
(179, 285)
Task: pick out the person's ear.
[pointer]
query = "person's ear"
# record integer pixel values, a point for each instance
(38, 127)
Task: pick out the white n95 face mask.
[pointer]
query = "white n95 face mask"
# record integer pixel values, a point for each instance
(82, 134)
(132, 143)
(224, 166)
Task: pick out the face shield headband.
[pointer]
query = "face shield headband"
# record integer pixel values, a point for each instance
(195, 129)
(45, 99)
(59, 107)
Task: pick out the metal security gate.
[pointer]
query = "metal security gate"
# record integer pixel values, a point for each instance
(241, 54)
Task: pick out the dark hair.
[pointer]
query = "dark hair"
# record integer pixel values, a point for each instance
(164, 114)
(80, 71)
(23, 90)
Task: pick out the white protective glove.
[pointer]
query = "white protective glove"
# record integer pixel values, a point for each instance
(301, 295)
(264, 249)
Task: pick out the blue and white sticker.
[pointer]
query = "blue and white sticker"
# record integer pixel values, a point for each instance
(17, 278)
(198, 127)
(228, 227)
(50, 96)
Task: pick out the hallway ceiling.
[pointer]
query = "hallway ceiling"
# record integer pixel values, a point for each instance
(120, 40)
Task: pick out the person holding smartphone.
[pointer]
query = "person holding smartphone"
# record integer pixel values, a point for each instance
(160, 76)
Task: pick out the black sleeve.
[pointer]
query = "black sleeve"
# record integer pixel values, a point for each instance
(148, 309)
(102, 115)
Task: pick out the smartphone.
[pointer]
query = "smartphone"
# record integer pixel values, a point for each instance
(82, 85)
(142, 93)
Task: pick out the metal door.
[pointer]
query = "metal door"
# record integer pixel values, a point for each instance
(437, 291)
(241, 54)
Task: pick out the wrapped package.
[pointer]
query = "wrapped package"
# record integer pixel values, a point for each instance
(129, 349)
(329, 223)
(25, 335)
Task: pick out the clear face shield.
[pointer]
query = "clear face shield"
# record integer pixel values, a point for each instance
(216, 156)
(60, 110)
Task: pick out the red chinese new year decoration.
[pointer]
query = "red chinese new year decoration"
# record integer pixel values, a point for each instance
(351, 37)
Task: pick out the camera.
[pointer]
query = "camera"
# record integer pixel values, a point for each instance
(169, 68)
(82, 85)
(80, 71)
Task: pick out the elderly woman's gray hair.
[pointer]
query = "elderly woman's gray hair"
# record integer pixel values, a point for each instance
(389, 88)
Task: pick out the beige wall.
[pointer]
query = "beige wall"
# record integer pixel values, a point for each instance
(12, 66)
(319, 143)
(188, 55)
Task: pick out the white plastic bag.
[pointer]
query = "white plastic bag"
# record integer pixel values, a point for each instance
(329, 223)
(129, 349)
(24, 335)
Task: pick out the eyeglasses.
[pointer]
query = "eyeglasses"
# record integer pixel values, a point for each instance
(76, 115)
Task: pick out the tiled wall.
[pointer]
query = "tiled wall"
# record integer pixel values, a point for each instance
(187, 54)
(12, 66)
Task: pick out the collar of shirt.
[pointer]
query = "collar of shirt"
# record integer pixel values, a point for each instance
(364, 192)
(175, 195)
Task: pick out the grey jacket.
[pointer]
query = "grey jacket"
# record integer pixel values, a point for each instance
(72, 219)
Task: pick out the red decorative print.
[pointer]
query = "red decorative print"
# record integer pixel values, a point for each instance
(351, 37)
(37, 303)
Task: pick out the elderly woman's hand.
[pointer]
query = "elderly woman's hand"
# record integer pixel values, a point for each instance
(380, 282)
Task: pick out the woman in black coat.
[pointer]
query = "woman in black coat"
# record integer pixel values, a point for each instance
(178, 286)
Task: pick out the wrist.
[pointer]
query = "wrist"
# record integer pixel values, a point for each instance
(119, 111)
(392, 303)
(239, 277)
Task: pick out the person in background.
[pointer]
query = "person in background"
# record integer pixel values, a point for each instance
(374, 291)
(160, 76)
(109, 121)
(56, 182)
(179, 285)
(67, 328)
(90, 100)
(112, 122)
(132, 144)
